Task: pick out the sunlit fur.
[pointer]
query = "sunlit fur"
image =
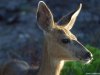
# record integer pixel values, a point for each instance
(55, 52)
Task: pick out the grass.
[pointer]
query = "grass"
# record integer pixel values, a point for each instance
(77, 68)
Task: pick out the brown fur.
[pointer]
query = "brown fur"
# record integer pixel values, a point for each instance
(55, 52)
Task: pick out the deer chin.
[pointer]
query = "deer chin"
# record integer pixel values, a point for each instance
(71, 59)
(86, 61)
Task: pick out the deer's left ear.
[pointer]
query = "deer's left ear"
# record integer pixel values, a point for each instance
(69, 20)
(44, 16)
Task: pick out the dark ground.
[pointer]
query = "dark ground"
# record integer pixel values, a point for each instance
(19, 33)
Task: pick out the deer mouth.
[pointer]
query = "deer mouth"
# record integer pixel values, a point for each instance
(86, 61)
(86, 58)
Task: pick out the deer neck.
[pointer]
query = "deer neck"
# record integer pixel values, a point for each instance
(49, 65)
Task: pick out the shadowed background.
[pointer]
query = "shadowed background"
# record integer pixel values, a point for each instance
(21, 38)
(87, 26)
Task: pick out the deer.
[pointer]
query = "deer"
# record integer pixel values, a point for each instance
(60, 45)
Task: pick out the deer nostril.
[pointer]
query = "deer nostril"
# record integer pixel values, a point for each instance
(88, 55)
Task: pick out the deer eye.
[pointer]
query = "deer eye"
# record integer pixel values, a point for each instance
(65, 41)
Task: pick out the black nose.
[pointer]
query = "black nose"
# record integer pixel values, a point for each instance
(88, 55)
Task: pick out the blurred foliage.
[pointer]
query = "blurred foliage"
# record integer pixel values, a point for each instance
(77, 68)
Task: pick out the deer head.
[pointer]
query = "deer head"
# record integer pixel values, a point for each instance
(61, 43)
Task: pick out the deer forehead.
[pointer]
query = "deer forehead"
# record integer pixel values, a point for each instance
(60, 31)
(69, 34)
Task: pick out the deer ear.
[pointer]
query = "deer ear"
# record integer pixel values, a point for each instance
(44, 16)
(69, 20)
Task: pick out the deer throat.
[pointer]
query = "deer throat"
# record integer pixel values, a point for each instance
(49, 65)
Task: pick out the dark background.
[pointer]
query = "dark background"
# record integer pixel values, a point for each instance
(87, 27)
(21, 38)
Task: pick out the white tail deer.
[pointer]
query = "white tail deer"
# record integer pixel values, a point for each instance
(59, 44)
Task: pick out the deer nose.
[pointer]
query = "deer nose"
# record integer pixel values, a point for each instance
(88, 55)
